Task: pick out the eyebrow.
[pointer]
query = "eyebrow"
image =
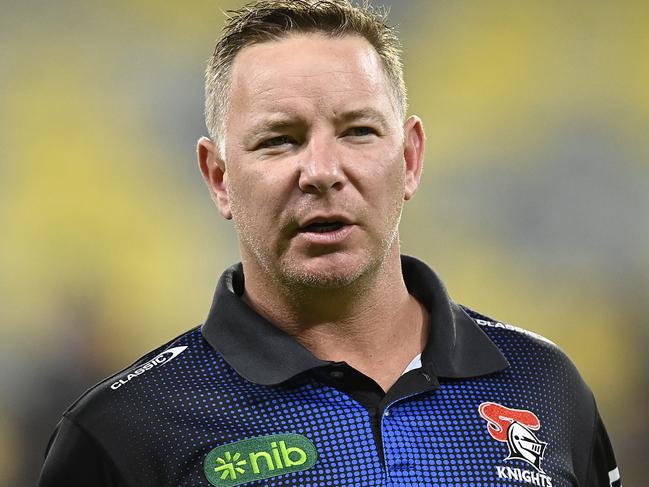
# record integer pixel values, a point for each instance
(273, 123)
(279, 121)
(364, 114)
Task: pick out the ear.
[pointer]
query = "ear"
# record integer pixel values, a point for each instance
(414, 145)
(213, 170)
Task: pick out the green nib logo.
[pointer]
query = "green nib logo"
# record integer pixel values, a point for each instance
(258, 458)
(230, 466)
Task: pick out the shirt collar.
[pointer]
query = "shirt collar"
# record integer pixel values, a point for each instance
(262, 353)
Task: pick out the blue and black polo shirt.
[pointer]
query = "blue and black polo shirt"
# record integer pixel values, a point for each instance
(238, 402)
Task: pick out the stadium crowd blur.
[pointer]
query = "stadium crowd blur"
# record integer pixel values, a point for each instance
(534, 205)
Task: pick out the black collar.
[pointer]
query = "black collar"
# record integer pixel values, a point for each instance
(264, 354)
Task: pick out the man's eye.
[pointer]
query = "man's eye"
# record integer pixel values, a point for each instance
(276, 141)
(360, 131)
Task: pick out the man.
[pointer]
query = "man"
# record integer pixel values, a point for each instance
(327, 358)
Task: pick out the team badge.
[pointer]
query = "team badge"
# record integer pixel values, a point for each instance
(515, 427)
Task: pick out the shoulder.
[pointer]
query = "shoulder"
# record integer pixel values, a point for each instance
(539, 370)
(487, 323)
(537, 366)
(118, 422)
(145, 383)
(518, 343)
(544, 379)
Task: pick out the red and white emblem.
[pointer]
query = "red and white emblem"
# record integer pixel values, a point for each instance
(515, 427)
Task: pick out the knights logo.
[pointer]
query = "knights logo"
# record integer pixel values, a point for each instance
(515, 427)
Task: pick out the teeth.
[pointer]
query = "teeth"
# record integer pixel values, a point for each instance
(323, 227)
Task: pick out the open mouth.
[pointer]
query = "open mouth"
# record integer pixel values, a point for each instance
(323, 226)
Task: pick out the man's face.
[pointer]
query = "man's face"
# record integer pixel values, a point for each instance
(316, 165)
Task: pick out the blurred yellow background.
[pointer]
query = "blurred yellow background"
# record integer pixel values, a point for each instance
(534, 206)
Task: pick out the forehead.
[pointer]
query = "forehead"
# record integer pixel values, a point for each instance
(308, 71)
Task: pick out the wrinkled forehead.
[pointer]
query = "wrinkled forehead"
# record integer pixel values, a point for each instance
(308, 68)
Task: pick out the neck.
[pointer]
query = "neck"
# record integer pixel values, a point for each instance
(374, 324)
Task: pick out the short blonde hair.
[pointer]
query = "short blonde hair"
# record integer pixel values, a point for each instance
(269, 20)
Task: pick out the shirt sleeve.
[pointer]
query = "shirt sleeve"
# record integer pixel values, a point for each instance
(74, 459)
(602, 470)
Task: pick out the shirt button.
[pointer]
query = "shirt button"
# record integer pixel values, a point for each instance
(337, 374)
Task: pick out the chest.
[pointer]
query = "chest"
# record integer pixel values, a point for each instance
(318, 436)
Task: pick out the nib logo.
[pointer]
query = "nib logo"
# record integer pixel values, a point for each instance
(230, 466)
(258, 458)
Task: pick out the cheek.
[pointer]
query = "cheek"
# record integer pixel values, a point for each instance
(255, 199)
(241, 194)
(385, 178)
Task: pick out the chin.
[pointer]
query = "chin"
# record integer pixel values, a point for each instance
(326, 273)
(323, 280)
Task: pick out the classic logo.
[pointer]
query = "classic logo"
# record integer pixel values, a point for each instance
(258, 458)
(515, 427)
(160, 359)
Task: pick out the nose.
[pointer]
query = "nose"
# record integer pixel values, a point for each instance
(321, 170)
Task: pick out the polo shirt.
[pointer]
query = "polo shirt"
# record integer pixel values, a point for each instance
(237, 401)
